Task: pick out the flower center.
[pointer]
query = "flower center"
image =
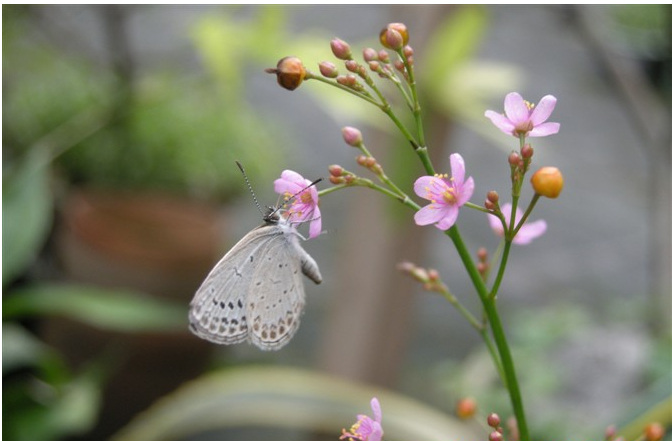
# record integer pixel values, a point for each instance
(306, 198)
(449, 196)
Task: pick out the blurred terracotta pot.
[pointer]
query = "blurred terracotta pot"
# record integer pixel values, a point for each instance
(160, 245)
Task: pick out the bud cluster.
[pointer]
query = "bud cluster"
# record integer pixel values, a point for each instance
(483, 265)
(339, 175)
(370, 163)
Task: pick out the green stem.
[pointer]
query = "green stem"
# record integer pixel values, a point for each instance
(535, 198)
(490, 308)
(500, 271)
(346, 89)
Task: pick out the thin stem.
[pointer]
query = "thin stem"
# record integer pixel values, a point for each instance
(535, 198)
(347, 89)
(500, 271)
(490, 309)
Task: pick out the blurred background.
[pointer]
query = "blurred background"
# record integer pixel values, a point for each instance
(121, 125)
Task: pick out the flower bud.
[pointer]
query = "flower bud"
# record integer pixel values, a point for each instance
(369, 54)
(401, 29)
(290, 72)
(493, 196)
(489, 205)
(341, 49)
(328, 69)
(408, 51)
(391, 39)
(527, 151)
(514, 159)
(352, 136)
(482, 254)
(336, 170)
(336, 179)
(383, 56)
(610, 432)
(399, 65)
(374, 66)
(361, 160)
(654, 432)
(495, 436)
(352, 66)
(347, 80)
(547, 181)
(494, 421)
(466, 408)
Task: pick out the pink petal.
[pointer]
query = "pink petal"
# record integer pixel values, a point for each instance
(423, 183)
(501, 122)
(515, 108)
(450, 213)
(545, 129)
(465, 192)
(457, 168)
(292, 176)
(316, 224)
(376, 433)
(429, 214)
(377, 412)
(496, 225)
(530, 231)
(281, 186)
(543, 110)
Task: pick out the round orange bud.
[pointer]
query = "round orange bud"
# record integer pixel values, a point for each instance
(466, 408)
(547, 181)
(399, 28)
(654, 432)
(290, 72)
(391, 39)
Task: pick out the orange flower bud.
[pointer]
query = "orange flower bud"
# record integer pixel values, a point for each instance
(392, 43)
(654, 432)
(290, 72)
(466, 408)
(547, 181)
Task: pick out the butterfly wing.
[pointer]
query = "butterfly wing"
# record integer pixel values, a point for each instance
(218, 312)
(274, 310)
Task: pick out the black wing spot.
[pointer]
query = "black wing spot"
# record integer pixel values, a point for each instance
(231, 305)
(240, 303)
(222, 305)
(251, 258)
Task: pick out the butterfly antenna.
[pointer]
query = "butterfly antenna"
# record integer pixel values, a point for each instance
(249, 186)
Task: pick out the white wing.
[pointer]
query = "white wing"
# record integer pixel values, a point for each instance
(218, 312)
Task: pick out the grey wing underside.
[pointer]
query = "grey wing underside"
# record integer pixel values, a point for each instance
(254, 292)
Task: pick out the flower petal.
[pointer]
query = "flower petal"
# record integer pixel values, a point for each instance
(449, 217)
(376, 433)
(282, 186)
(501, 122)
(465, 191)
(545, 129)
(377, 412)
(529, 232)
(515, 108)
(496, 225)
(292, 176)
(457, 168)
(316, 224)
(543, 110)
(423, 186)
(429, 214)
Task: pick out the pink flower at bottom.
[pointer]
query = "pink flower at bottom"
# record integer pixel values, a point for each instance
(302, 198)
(366, 428)
(527, 233)
(447, 195)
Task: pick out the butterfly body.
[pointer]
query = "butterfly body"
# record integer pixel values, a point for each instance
(255, 292)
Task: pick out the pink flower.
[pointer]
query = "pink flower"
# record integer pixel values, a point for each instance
(527, 233)
(446, 194)
(522, 117)
(366, 429)
(302, 199)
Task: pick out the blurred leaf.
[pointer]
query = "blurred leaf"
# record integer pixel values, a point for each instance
(19, 348)
(54, 412)
(26, 213)
(285, 398)
(453, 42)
(102, 308)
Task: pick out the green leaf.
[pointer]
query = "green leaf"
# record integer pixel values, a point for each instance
(286, 398)
(26, 213)
(19, 348)
(65, 410)
(454, 41)
(102, 308)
